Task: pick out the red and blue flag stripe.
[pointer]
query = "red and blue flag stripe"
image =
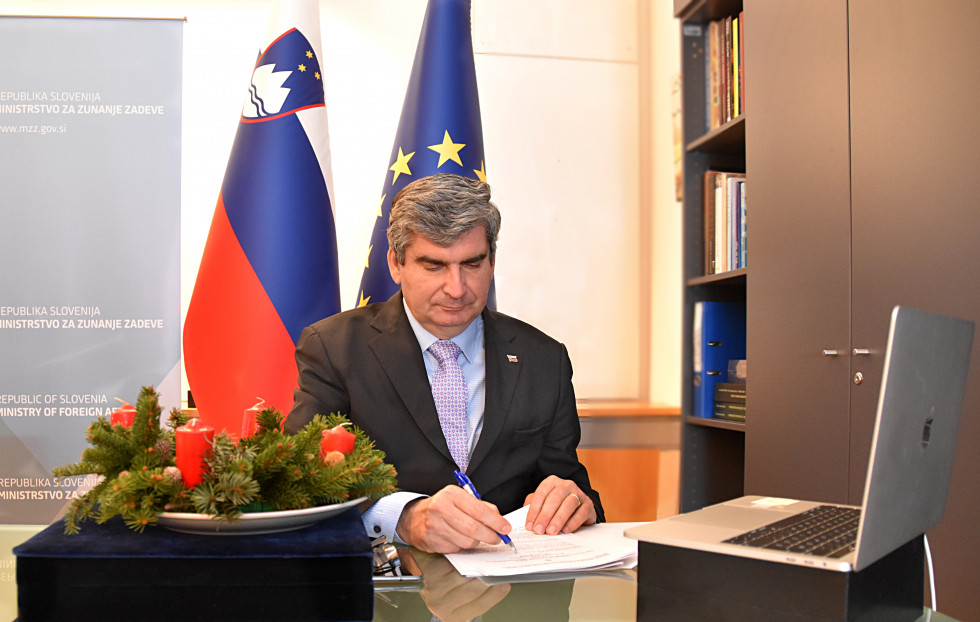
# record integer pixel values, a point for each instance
(270, 263)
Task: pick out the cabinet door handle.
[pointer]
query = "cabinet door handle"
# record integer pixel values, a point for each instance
(861, 352)
(830, 353)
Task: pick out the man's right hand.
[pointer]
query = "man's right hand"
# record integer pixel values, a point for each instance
(450, 521)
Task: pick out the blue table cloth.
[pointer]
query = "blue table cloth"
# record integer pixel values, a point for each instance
(109, 572)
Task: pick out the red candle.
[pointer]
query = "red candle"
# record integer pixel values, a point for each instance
(124, 415)
(337, 438)
(249, 419)
(194, 440)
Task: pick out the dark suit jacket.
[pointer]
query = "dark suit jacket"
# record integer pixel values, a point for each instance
(366, 364)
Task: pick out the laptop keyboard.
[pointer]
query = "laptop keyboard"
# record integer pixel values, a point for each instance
(826, 530)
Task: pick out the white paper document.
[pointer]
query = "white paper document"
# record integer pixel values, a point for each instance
(596, 547)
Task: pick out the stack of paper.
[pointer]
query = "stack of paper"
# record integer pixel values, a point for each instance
(597, 547)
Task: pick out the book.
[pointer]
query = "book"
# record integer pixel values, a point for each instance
(731, 208)
(724, 222)
(729, 411)
(730, 392)
(718, 336)
(709, 222)
(724, 41)
(725, 69)
(743, 255)
(741, 62)
(736, 83)
(714, 74)
(721, 223)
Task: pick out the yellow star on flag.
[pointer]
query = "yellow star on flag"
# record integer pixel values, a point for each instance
(401, 165)
(363, 301)
(367, 260)
(482, 173)
(302, 67)
(381, 204)
(309, 54)
(447, 150)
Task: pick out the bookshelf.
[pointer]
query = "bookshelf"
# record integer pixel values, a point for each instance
(712, 450)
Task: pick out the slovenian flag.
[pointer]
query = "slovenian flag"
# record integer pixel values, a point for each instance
(269, 267)
(439, 131)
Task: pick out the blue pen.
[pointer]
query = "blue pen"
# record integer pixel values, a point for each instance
(465, 482)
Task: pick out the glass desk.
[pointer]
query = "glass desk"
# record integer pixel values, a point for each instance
(606, 597)
(451, 597)
(447, 596)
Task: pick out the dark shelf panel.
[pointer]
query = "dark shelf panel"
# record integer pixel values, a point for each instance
(700, 11)
(732, 278)
(726, 138)
(721, 424)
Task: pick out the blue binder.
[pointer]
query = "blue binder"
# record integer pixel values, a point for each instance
(719, 336)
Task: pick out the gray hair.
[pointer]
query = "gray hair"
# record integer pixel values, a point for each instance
(442, 208)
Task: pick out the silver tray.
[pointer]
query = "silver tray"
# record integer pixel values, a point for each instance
(252, 523)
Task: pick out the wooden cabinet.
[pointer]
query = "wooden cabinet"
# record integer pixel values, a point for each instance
(861, 142)
(799, 291)
(915, 226)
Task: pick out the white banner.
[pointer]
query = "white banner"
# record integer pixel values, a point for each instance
(90, 124)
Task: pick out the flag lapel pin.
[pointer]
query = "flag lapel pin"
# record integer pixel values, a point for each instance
(511, 358)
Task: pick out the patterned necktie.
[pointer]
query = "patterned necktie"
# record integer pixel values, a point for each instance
(449, 393)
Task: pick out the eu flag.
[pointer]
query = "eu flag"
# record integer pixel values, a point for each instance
(439, 130)
(270, 262)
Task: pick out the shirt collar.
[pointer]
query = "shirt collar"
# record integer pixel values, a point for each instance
(469, 341)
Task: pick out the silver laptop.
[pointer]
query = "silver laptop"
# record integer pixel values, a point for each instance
(922, 389)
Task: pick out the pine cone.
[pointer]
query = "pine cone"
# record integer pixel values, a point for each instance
(165, 448)
(332, 458)
(173, 474)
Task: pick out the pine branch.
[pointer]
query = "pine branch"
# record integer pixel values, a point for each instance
(177, 418)
(270, 419)
(268, 470)
(146, 424)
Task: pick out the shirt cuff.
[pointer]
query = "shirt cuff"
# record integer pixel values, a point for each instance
(382, 517)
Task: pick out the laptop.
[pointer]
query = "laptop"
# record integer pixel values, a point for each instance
(922, 389)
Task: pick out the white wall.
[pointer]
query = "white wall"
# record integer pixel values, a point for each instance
(666, 282)
(575, 99)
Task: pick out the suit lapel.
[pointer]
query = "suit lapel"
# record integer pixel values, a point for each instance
(503, 362)
(397, 351)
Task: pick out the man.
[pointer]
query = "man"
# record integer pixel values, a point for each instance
(379, 365)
